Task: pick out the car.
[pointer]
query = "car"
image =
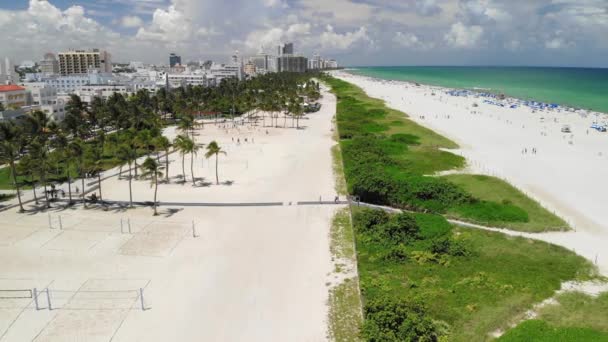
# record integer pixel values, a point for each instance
(566, 129)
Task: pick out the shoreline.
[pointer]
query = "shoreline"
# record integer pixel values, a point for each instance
(480, 91)
(497, 141)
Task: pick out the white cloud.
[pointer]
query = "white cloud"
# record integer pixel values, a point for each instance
(427, 7)
(332, 40)
(410, 40)
(275, 3)
(462, 36)
(131, 21)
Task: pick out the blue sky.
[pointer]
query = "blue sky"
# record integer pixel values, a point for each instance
(356, 32)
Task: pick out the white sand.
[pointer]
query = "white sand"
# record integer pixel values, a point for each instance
(253, 274)
(568, 179)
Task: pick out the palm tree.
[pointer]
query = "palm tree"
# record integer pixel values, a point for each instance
(76, 150)
(183, 144)
(38, 149)
(214, 149)
(94, 163)
(162, 143)
(151, 168)
(10, 147)
(61, 146)
(127, 155)
(27, 166)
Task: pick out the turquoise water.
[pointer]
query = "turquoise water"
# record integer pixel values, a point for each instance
(575, 87)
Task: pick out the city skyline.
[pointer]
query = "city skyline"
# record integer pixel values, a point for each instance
(370, 32)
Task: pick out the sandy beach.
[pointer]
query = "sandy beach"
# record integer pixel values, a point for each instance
(207, 273)
(526, 147)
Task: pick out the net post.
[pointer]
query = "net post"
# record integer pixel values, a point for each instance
(141, 299)
(50, 222)
(121, 227)
(35, 293)
(48, 298)
(129, 224)
(60, 223)
(194, 230)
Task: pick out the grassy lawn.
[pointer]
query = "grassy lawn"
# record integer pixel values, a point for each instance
(540, 331)
(496, 190)
(479, 286)
(575, 317)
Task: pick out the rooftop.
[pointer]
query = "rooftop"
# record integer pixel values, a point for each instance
(10, 87)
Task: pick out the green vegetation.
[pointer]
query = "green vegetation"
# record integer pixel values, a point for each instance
(526, 214)
(574, 317)
(452, 282)
(390, 160)
(576, 309)
(540, 331)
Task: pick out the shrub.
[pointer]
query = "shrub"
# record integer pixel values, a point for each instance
(397, 253)
(389, 319)
(450, 246)
(400, 229)
(365, 220)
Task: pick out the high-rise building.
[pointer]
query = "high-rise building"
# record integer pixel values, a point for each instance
(290, 63)
(261, 62)
(8, 75)
(82, 62)
(249, 68)
(288, 49)
(174, 60)
(49, 65)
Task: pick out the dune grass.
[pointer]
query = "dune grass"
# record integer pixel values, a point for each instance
(496, 190)
(476, 294)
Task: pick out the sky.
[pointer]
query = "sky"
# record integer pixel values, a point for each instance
(355, 32)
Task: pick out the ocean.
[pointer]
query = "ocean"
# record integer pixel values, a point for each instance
(573, 87)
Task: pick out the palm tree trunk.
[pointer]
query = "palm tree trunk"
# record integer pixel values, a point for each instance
(192, 166)
(69, 185)
(46, 195)
(34, 188)
(14, 171)
(130, 189)
(217, 178)
(99, 185)
(184, 167)
(155, 191)
(84, 200)
(167, 165)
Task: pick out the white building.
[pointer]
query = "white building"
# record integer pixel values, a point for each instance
(44, 98)
(69, 84)
(104, 91)
(185, 79)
